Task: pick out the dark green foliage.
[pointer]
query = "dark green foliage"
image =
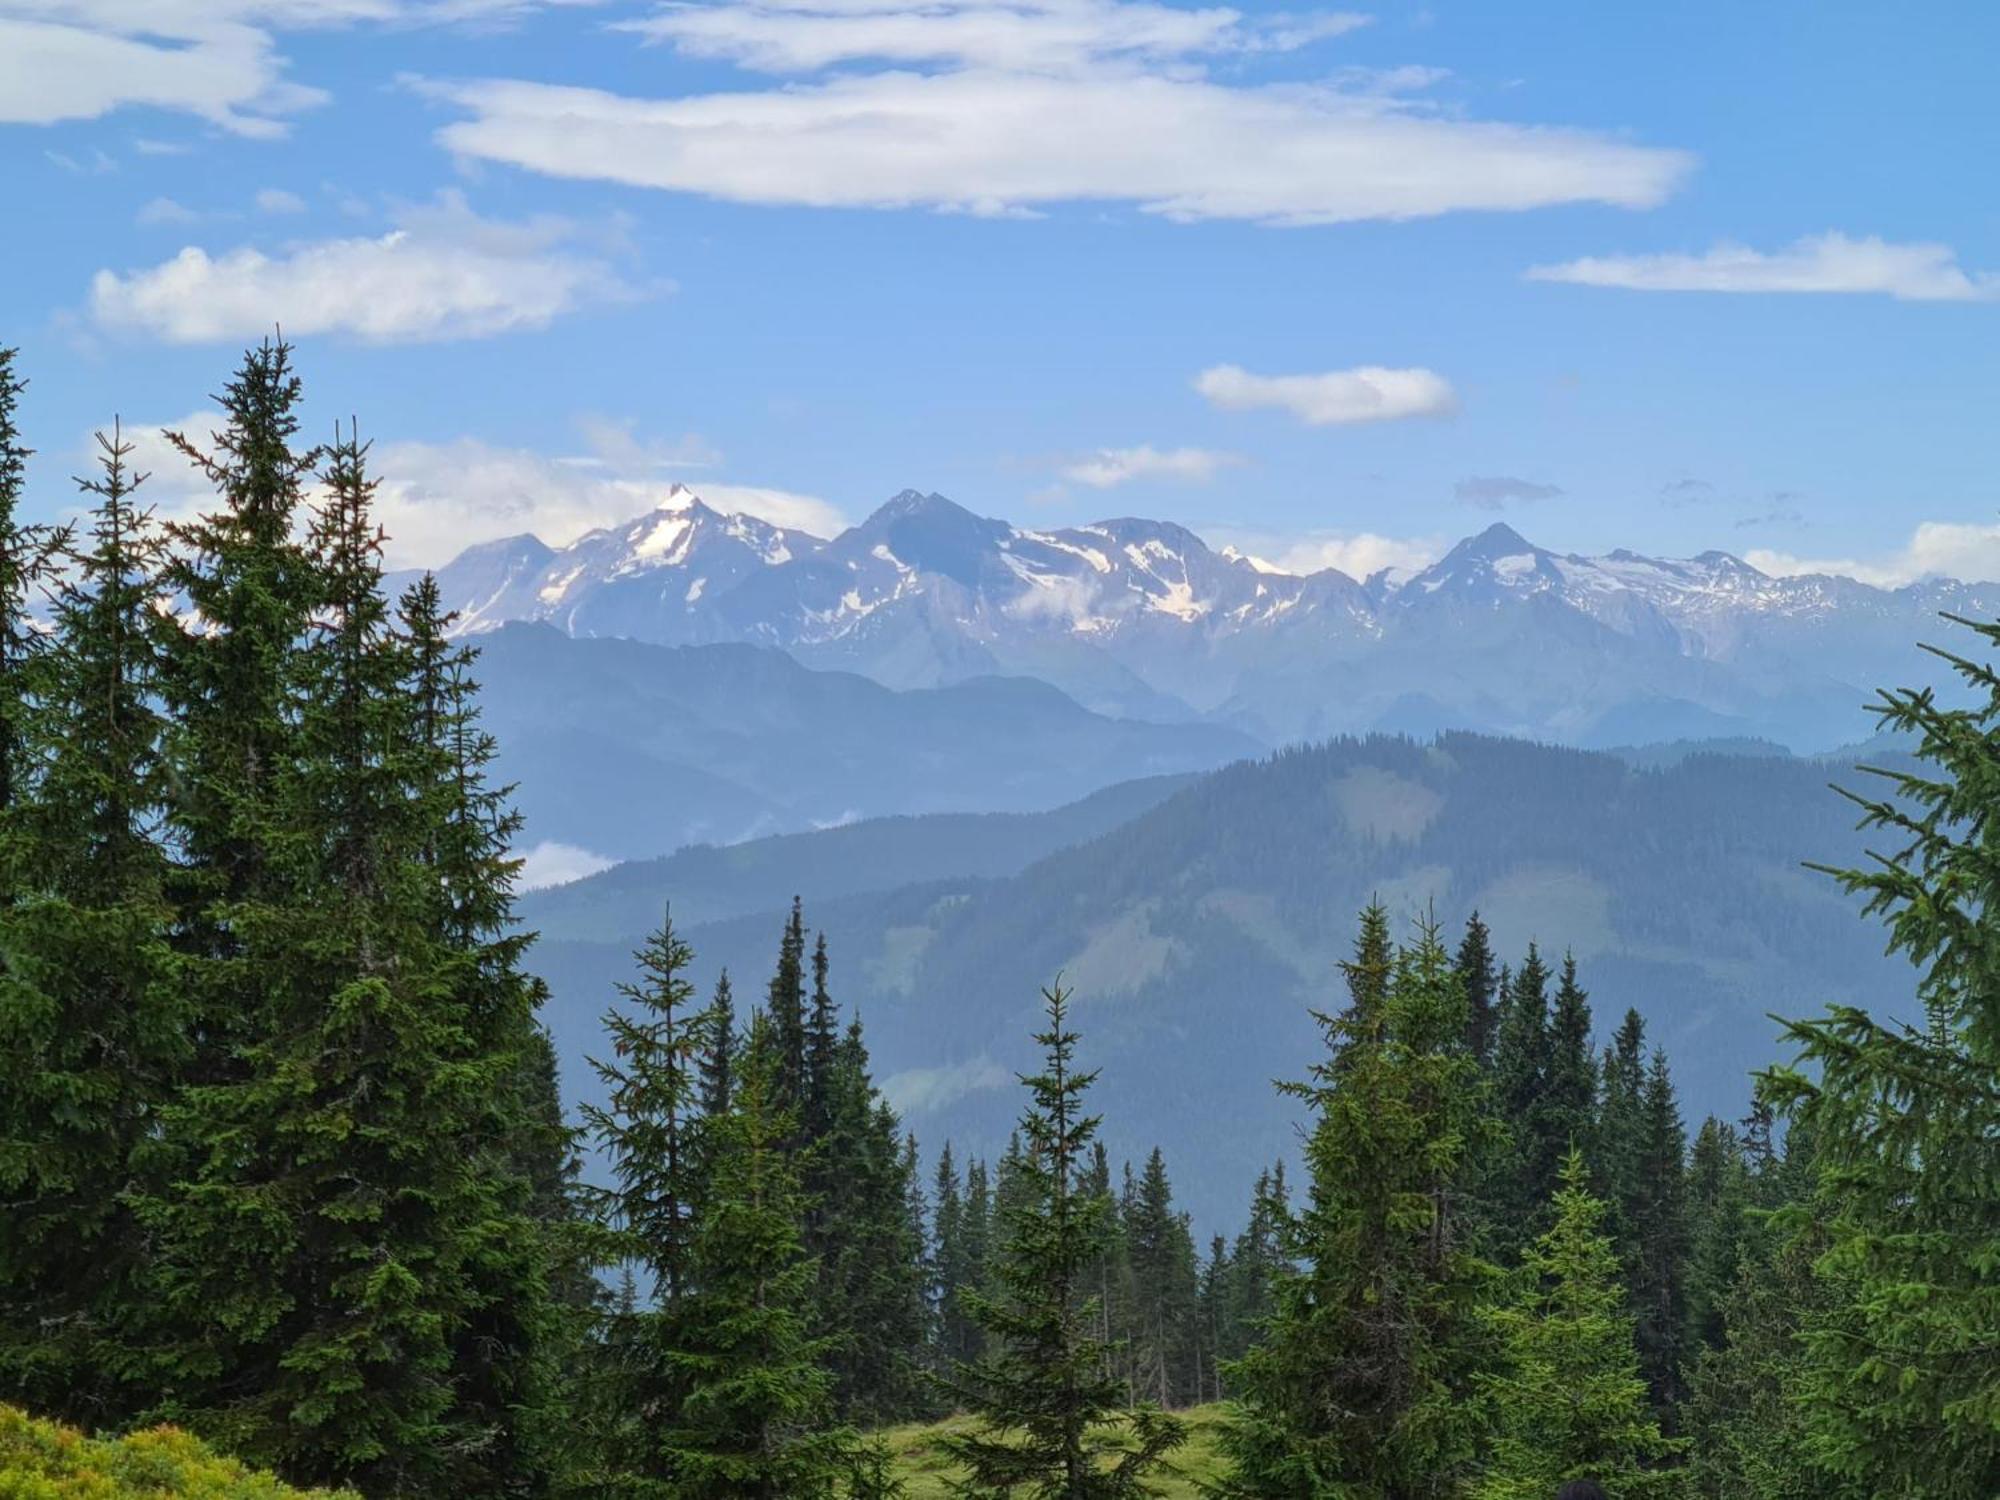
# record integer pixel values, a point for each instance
(1482, 990)
(1564, 1118)
(90, 1023)
(1520, 1076)
(1903, 1383)
(1052, 1426)
(648, 1130)
(1569, 1400)
(349, 1279)
(1660, 1238)
(26, 553)
(1161, 1327)
(753, 1419)
(1367, 1380)
(1718, 1228)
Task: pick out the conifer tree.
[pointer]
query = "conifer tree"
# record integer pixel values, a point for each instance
(718, 1049)
(1564, 1114)
(227, 681)
(1718, 1195)
(1476, 973)
(327, 1244)
(1255, 1263)
(1660, 1226)
(647, 1127)
(785, 1003)
(1903, 1384)
(1165, 1284)
(753, 1419)
(1365, 1382)
(950, 1265)
(534, 1284)
(870, 1294)
(1621, 1132)
(90, 1024)
(1051, 1425)
(26, 554)
(1569, 1398)
(1520, 1074)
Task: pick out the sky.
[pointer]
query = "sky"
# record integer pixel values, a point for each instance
(1339, 285)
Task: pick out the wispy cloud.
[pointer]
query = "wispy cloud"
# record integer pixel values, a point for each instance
(279, 201)
(1368, 393)
(985, 108)
(443, 273)
(1497, 491)
(1108, 468)
(217, 60)
(1825, 263)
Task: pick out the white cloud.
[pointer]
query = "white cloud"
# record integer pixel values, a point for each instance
(990, 139)
(551, 863)
(436, 499)
(444, 273)
(1824, 263)
(916, 1091)
(217, 60)
(1945, 549)
(1368, 393)
(1109, 467)
(165, 211)
(1033, 35)
(1357, 554)
(278, 201)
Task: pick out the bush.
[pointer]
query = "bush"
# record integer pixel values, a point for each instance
(42, 1461)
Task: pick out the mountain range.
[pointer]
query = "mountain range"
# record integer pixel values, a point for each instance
(1139, 619)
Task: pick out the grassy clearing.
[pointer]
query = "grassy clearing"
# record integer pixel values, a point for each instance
(924, 1472)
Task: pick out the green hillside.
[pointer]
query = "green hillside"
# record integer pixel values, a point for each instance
(1198, 932)
(925, 1475)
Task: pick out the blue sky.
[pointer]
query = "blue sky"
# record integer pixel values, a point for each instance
(1341, 284)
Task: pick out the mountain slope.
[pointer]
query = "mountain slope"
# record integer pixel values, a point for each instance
(631, 750)
(1198, 933)
(1139, 618)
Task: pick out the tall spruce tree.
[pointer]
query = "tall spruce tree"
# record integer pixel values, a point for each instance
(323, 1249)
(1903, 1385)
(1366, 1382)
(1621, 1134)
(1051, 1422)
(1570, 1401)
(1160, 1252)
(26, 554)
(647, 1127)
(1718, 1230)
(785, 1003)
(1476, 972)
(1660, 1229)
(1515, 1180)
(1564, 1113)
(753, 1418)
(533, 1284)
(90, 1021)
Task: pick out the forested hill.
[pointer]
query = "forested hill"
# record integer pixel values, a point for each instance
(1197, 933)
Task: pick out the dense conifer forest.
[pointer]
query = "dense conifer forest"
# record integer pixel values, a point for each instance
(282, 1160)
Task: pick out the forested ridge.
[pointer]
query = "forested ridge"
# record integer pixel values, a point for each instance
(283, 1161)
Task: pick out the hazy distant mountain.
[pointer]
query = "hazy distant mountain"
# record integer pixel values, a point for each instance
(1143, 619)
(1197, 933)
(631, 750)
